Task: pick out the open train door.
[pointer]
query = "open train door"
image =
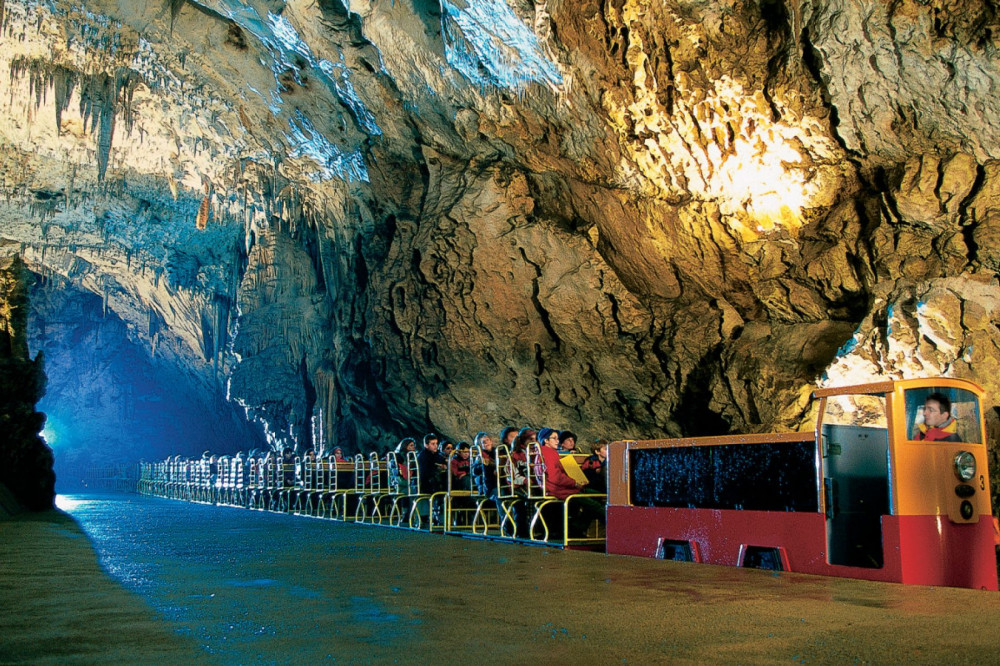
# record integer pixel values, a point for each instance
(854, 444)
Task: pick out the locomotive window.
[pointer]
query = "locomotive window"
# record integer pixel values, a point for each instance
(961, 423)
(866, 411)
(772, 476)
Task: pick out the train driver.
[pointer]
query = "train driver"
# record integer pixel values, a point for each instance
(938, 425)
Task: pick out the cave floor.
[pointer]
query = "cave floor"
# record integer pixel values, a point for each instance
(123, 578)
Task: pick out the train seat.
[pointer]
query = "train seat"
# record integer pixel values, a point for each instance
(459, 506)
(486, 518)
(511, 501)
(567, 521)
(426, 509)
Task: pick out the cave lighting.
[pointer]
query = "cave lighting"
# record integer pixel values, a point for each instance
(70, 504)
(49, 433)
(761, 171)
(759, 183)
(760, 161)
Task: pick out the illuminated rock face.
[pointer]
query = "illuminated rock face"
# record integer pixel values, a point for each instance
(632, 219)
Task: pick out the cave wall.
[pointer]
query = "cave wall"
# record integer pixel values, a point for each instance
(629, 218)
(25, 461)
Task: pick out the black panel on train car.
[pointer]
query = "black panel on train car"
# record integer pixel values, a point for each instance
(775, 476)
(671, 477)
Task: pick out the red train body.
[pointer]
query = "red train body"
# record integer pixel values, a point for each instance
(862, 496)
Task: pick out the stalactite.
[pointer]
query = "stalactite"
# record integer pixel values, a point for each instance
(153, 326)
(101, 97)
(207, 338)
(63, 81)
(221, 305)
(105, 136)
(97, 108)
(69, 187)
(201, 221)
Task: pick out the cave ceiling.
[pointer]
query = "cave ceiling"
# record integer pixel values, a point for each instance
(628, 218)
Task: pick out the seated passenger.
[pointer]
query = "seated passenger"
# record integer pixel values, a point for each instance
(558, 483)
(585, 513)
(446, 449)
(213, 470)
(460, 463)
(596, 469)
(308, 461)
(938, 425)
(370, 477)
(288, 466)
(432, 466)
(239, 470)
(507, 437)
(345, 473)
(567, 442)
(402, 471)
(519, 456)
(484, 468)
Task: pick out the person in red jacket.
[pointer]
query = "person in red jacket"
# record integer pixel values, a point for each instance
(595, 468)
(938, 425)
(460, 463)
(558, 483)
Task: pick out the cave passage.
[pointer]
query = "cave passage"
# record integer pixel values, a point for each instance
(113, 396)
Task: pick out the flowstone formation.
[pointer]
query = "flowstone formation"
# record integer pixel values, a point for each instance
(25, 460)
(633, 219)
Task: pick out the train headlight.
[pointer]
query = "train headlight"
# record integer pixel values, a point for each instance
(966, 510)
(965, 465)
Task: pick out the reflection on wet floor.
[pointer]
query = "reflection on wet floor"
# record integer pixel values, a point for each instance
(252, 587)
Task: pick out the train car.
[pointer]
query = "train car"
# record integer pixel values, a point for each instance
(892, 485)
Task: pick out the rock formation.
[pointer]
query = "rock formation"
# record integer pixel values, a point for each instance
(25, 460)
(632, 218)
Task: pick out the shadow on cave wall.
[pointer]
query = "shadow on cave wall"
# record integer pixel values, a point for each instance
(695, 417)
(25, 460)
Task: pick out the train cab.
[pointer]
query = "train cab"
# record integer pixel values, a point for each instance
(891, 485)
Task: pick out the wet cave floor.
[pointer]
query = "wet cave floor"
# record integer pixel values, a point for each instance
(124, 578)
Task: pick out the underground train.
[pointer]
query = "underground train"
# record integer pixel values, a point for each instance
(885, 487)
